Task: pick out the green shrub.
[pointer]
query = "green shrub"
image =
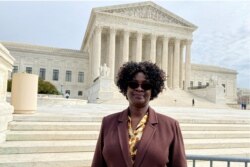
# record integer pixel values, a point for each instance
(9, 85)
(44, 87)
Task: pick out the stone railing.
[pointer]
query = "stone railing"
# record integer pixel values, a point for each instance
(6, 110)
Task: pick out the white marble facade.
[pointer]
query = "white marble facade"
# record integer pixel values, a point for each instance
(114, 35)
(6, 110)
(139, 32)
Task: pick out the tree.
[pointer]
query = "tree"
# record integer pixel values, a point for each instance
(44, 87)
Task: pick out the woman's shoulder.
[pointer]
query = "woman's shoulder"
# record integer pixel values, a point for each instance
(165, 118)
(112, 116)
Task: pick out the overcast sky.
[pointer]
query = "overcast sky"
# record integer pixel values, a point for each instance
(222, 38)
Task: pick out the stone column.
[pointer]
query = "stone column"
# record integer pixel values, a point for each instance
(170, 67)
(153, 48)
(111, 62)
(181, 65)
(139, 47)
(97, 51)
(164, 64)
(188, 64)
(125, 55)
(176, 63)
(6, 110)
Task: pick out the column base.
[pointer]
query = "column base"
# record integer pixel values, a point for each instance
(5, 117)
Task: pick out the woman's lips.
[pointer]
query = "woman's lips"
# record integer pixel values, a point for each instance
(138, 94)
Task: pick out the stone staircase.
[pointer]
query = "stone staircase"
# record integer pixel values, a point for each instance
(60, 138)
(169, 97)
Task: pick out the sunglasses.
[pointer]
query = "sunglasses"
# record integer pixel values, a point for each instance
(144, 85)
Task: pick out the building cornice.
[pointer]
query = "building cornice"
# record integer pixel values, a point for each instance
(210, 68)
(144, 4)
(23, 47)
(5, 55)
(97, 12)
(146, 22)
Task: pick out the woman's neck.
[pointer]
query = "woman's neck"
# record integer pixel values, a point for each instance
(138, 112)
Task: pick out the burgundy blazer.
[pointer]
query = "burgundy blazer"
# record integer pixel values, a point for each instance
(161, 144)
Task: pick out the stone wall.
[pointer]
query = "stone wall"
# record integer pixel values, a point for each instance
(6, 110)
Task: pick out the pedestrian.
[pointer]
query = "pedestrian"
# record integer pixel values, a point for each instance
(193, 102)
(67, 95)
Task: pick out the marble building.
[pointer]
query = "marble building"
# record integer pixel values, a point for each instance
(117, 34)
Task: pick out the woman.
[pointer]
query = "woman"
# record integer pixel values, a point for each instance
(138, 136)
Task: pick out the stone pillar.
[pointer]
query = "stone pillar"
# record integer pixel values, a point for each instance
(24, 93)
(125, 55)
(181, 65)
(153, 48)
(97, 51)
(176, 63)
(188, 64)
(139, 47)
(170, 67)
(6, 110)
(111, 62)
(164, 64)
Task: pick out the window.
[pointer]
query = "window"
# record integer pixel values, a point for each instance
(55, 75)
(191, 84)
(80, 76)
(68, 76)
(224, 85)
(15, 70)
(29, 70)
(42, 73)
(79, 93)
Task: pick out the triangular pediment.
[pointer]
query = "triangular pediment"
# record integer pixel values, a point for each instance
(146, 11)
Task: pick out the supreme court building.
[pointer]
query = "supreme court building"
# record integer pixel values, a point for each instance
(116, 34)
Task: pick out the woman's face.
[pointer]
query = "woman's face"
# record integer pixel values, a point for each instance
(139, 91)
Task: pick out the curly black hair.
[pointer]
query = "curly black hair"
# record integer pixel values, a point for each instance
(153, 73)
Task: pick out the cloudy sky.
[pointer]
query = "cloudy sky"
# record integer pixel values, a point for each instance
(222, 38)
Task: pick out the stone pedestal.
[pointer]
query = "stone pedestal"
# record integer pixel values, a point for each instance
(213, 93)
(6, 110)
(24, 93)
(216, 94)
(103, 89)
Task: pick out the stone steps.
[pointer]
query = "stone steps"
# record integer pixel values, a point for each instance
(52, 146)
(51, 135)
(67, 136)
(193, 119)
(85, 126)
(83, 159)
(93, 135)
(77, 159)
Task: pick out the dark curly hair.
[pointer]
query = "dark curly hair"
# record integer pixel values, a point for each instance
(153, 73)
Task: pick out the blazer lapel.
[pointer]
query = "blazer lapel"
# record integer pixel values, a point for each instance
(146, 137)
(123, 137)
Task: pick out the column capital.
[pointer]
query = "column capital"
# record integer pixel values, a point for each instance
(177, 40)
(189, 41)
(166, 37)
(98, 28)
(126, 32)
(138, 34)
(112, 30)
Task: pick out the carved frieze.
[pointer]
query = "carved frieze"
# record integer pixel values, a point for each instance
(147, 12)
